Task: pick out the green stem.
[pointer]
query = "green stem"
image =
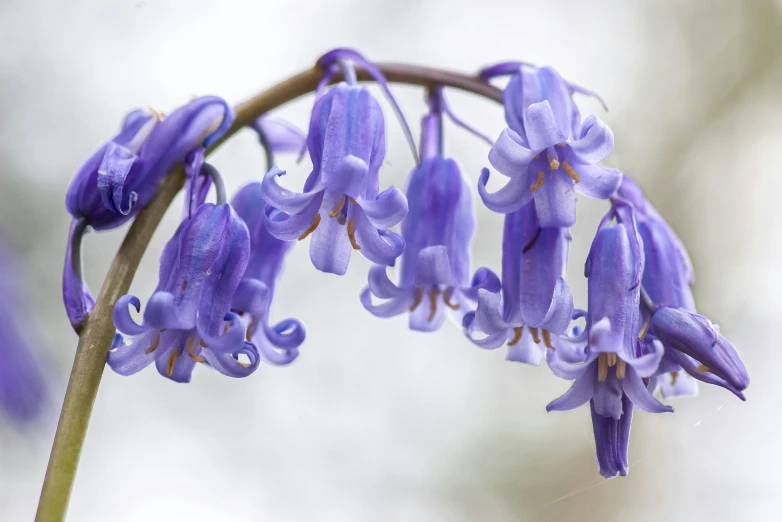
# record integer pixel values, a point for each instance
(98, 330)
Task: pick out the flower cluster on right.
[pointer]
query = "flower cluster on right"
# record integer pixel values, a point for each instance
(641, 332)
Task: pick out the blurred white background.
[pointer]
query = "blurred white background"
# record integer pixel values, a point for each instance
(374, 422)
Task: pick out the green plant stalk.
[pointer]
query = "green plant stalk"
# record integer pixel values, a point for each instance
(97, 332)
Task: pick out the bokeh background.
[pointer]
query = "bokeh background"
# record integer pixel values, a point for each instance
(374, 422)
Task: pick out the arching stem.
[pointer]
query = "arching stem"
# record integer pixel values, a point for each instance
(98, 329)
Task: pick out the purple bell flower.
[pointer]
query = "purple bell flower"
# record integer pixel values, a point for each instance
(546, 153)
(277, 344)
(668, 271)
(438, 232)
(188, 319)
(122, 177)
(341, 206)
(534, 291)
(699, 348)
(667, 277)
(615, 363)
(23, 389)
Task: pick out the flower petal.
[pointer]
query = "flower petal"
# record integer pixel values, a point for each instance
(509, 156)
(488, 315)
(526, 350)
(122, 318)
(390, 308)
(634, 387)
(330, 247)
(284, 199)
(229, 365)
(386, 210)
(117, 163)
(434, 268)
(514, 195)
(541, 127)
(380, 285)
(597, 182)
(555, 201)
(595, 143)
(578, 394)
(378, 246)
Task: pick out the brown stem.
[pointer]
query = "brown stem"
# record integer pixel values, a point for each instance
(98, 330)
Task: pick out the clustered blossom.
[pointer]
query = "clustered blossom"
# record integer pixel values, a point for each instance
(438, 232)
(218, 275)
(122, 176)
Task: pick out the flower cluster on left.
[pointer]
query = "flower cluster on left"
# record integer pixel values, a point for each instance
(217, 273)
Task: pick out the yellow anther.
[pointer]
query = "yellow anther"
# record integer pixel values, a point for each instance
(251, 327)
(190, 352)
(644, 330)
(570, 172)
(433, 293)
(702, 368)
(338, 208)
(538, 183)
(602, 367)
(552, 163)
(313, 226)
(352, 233)
(516, 336)
(547, 339)
(174, 356)
(203, 344)
(154, 345)
(611, 358)
(621, 367)
(447, 300)
(674, 376)
(158, 114)
(561, 145)
(419, 296)
(534, 332)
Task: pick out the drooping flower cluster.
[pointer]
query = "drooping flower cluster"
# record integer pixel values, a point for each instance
(218, 273)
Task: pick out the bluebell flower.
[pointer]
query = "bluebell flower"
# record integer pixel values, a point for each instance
(534, 291)
(547, 152)
(277, 344)
(341, 206)
(188, 319)
(699, 348)
(23, 388)
(613, 361)
(667, 277)
(123, 175)
(692, 343)
(438, 231)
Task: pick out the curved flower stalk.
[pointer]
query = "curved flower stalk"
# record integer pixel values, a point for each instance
(123, 175)
(277, 344)
(615, 362)
(534, 291)
(341, 206)
(23, 389)
(188, 319)
(547, 152)
(438, 232)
